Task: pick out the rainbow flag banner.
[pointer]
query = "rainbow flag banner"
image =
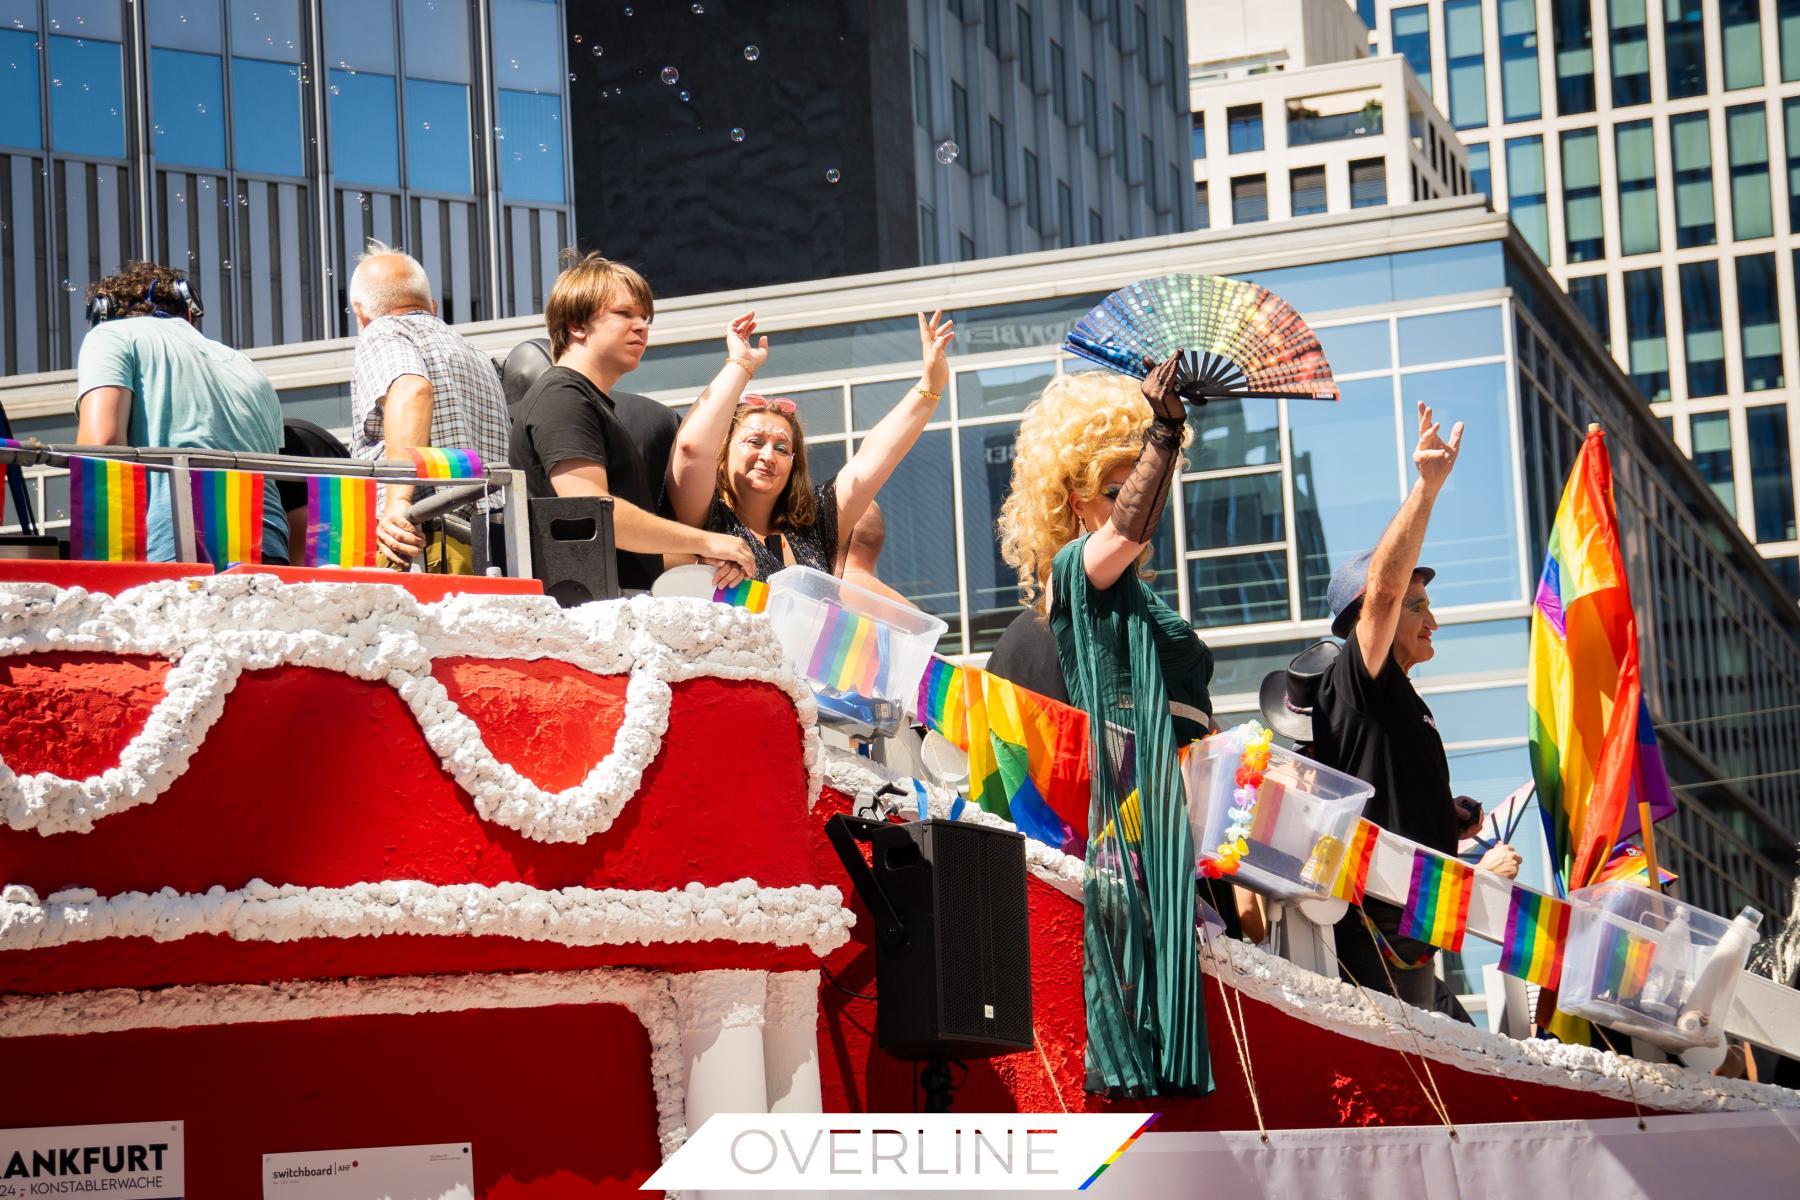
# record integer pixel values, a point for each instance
(340, 521)
(1028, 760)
(1353, 872)
(435, 462)
(109, 510)
(1630, 866)
(1537, 926)
(1437, 903)
(228, 516)
(752, 594)
(1593, 749)
(943, 702)
(1624, 965)
(851, 654)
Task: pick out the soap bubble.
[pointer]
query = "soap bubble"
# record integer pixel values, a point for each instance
(578, 39)
(628, 10)
(698, 9)
(69, 286)
(751, 53)
(597, 50)
(737, 135)
(670, 76)
(684, 96)
(947, 152)
(832, 176)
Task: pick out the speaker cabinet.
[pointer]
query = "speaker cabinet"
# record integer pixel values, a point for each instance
(572, 550)
(958, 983)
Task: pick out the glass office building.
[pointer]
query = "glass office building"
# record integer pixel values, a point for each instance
(259, 143)
(1443, 302)
(1649, 151)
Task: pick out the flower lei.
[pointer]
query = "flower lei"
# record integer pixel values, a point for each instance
(1251, 765)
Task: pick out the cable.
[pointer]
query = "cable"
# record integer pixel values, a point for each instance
(832, 980)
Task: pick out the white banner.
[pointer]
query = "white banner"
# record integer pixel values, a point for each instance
(899, 1152)
(440, 1172)
(138, 1159)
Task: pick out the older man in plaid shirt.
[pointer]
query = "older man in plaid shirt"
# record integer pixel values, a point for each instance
(416, 382)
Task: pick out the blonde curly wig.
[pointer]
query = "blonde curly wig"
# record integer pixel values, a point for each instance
(1071, 437)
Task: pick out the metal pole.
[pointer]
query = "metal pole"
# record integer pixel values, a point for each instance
(181, 500)
(517, 515)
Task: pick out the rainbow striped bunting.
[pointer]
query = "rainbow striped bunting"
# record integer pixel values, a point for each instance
(1537, 926)
(943, 702)
(1437, 903)
(435, 462)
(851, 654)
(751, 594)
(1624, 963)
(1353, 872)
(340, 521)
(109, 508)
(228, 513)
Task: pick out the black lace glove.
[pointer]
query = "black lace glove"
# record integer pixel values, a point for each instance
(1140, 504)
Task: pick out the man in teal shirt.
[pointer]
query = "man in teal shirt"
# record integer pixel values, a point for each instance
(147, 377)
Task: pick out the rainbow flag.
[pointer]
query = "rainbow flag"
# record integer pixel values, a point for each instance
(1593, 749)
(1353, 872)
(340, 521)
(109, 510)
(1028, 759)
(1630, 866)
(752, 594)
(1624, 963)
(228, 515)
(1437, 903)
(435, 462)
(1537, 926)
(1267, 813)
(943, 702)
(851, 654)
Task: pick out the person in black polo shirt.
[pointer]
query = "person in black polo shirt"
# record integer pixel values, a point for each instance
(1369, 722)
(567, 435)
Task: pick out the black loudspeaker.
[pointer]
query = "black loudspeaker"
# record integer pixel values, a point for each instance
(572, 550)
(953, 970)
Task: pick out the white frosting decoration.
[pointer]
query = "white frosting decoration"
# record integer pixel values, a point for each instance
(792, 1000)
(214, 629)
(814, 917)
(729, 999)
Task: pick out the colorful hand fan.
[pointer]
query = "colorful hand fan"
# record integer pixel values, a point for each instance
(1236, 339)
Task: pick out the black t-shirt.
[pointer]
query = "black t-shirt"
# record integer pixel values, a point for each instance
(1026, 656)
(653, 426)
(565, 417)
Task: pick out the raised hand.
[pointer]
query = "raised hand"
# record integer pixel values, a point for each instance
(1159, 389)
(935, 336)
(738, 345)
(1435, 457)
(731, 559)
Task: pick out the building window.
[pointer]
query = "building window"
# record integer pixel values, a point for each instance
(1119, 144)
(1065, 213)
(965, 247)
(1249, 199)
(1096, 231)
(1465, 63)
(1741, 42)
(1630, 40)
(1572, 25)
(1684, 47)
(1636, 146)
(928, 247)
(1583, 214)
(1059, 81)
(1710, 436)
(1027, 56)
(1703, 329)
(526, 40)
(1690, 146)
(187, 86)
(1791, 113)
(1244, 128)
(959, 121)
(1747, 140)
(1199, 135)
(267, 134)
(921, 91)
(1410, 28)
(1202, 206)
(1140, 42)
(1787, 16)
(1771, 475)
(1526, 202)
(1480, 172)
(1034, 201)
(1759, 322)
(1519, 98)
(1147, 167)
(1368, 182)
(1589, 293)
(1308, 187)
(1646, 330)
(1113, 22)
(1178, 93)
(1178, 179)
(990, 24)
(1090, 112)
(997, 158)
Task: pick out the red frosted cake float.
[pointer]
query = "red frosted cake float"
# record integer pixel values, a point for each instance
(318, 864)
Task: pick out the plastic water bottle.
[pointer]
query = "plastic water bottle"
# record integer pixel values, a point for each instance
(1717, 982)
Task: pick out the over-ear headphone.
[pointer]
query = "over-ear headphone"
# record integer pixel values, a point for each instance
(100, 306)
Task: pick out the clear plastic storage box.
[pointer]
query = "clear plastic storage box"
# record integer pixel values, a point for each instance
(863, 653)
(1648, 965)
(1303, 817)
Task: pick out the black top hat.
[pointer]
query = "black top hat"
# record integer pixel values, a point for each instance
(1287, 696)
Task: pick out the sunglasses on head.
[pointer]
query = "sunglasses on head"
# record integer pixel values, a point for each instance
(786, 408)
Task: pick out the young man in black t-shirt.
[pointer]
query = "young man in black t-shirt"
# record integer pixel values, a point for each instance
(568, 436)
(1369, 721)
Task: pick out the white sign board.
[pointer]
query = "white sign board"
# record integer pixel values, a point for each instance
(441, 1172)
(140, 1159)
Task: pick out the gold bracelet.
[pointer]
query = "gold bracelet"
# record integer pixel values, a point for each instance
(744, 362)
(930, 395)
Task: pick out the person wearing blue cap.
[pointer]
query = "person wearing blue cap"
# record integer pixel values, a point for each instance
(1370, 722)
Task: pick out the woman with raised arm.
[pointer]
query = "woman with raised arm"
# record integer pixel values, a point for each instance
(740, 466)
